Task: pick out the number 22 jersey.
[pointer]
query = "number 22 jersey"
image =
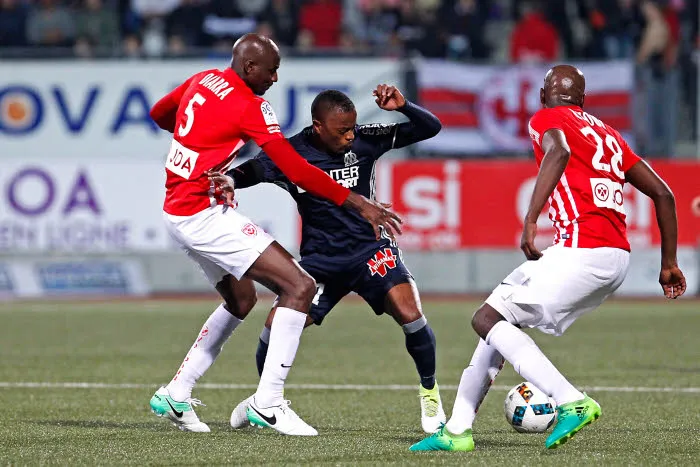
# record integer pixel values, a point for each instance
(587, 205)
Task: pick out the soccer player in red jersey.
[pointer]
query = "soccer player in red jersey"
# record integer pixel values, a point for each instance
(583, 166)
(212, 115)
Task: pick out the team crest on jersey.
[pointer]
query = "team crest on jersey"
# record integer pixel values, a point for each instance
(350, 158)
(250, 230)
(383, 261)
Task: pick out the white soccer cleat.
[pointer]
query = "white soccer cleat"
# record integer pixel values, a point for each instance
(180, 413)
(432, 416)
(239, 416)
(281, 418)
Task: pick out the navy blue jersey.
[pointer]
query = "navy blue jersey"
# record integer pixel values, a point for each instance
(329, 230)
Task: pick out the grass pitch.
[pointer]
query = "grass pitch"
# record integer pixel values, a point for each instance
(621, 349)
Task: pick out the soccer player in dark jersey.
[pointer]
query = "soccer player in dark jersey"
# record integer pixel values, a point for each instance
(338, 248)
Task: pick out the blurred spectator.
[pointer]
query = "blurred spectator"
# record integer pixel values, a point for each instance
(251, 8)
(533, 39)
(323, 20)
(153, 8)
(465, 21)
(225, 22)
(50, 24)
(659, 78)
(185, 24)
(13, 23)
(96, 25)
(131, 46)
(419, 32)
(282, 16)
(378, 23)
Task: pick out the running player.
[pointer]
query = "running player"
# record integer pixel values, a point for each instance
(212, 115)
(338, 248)
(583, 166)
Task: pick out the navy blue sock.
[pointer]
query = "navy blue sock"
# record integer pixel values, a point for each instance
(261, 353)
(420, 344)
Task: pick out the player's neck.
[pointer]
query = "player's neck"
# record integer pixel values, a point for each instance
(317, 144)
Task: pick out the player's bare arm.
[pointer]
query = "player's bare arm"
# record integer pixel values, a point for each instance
(643, 178)
(556, 157)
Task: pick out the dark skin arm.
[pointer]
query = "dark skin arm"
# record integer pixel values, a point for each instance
(643, 178)
(556, 157)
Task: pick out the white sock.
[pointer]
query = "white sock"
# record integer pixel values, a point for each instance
(529, 361)
(476, 380)
(203, 352)
(285, 333)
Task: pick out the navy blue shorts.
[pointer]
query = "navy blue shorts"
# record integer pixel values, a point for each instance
(371, 278)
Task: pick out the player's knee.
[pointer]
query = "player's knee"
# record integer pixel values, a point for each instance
(301, 289)
(307, 288)
(406, 315)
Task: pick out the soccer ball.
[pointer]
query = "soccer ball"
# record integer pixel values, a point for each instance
(528, 409)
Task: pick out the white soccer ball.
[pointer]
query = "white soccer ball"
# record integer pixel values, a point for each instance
(529, 410)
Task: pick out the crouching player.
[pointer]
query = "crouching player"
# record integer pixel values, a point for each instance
(339, 249)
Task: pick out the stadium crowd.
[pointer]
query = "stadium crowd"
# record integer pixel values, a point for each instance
(660, 36)
(468, 29)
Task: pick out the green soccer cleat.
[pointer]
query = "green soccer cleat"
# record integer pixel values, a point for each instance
(571, 418)
(443, 440)
(180, 413)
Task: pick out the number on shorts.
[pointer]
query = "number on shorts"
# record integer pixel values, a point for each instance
(613, 145)
(319, 292)
(189, 113)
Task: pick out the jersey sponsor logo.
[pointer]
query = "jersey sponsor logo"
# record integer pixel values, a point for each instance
(181, 161)
(347, 176)
(382, 261)
(608, 194)
(250, 230)
(379, 129)
(350, 158)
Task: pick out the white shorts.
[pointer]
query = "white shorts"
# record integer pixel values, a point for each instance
(221, 241)
(551, 293)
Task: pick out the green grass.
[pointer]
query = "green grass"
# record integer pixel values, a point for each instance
(645, 344)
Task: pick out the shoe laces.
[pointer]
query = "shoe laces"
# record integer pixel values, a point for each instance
(195, 402)
(430, 404)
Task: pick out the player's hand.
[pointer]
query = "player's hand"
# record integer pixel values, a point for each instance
(672, 281)
(223, 187)
(527, 241)
(377, 214)
(388, 97)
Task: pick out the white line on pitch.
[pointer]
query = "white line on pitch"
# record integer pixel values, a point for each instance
(323, 387)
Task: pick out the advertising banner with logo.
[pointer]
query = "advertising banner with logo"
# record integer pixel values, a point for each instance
(451, 205)
(76, 205)
(486, 108)
(99, 110)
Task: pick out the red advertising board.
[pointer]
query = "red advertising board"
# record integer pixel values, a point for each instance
(451, 204)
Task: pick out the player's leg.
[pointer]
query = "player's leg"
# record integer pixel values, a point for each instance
(548, 294)
(276, 269)
(327, 296)
(175, 400)
(389, 288)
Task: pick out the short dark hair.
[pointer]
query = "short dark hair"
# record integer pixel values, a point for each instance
(330, 99)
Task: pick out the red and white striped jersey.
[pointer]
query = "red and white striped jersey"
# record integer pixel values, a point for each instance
(587, 206)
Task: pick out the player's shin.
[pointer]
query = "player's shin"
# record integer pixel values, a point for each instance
(476, 380)
(285, 334)
(420, 343)
(529, 361)
(261, 352)
(215, 332)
